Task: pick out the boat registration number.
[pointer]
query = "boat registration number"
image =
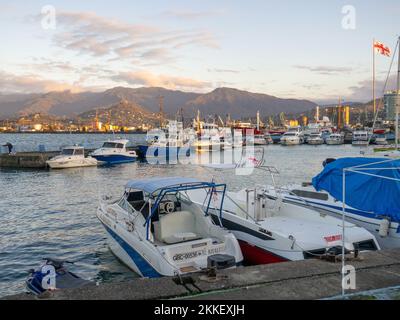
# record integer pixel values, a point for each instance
(197, 253)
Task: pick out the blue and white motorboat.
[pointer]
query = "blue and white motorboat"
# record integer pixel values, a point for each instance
(156, 230)
(114, 151)
(371, 200)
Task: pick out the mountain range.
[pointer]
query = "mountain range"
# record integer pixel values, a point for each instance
(221, 101)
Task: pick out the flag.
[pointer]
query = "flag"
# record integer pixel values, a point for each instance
(382, 49)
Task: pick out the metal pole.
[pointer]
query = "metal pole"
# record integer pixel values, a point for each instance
(343, 226)
(398, 98)
(373, 75)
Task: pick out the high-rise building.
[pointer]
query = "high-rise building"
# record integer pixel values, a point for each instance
(390, 99)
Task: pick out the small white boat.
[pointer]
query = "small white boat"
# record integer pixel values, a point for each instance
(292, 138)
(71, 157)
(270, 229)
(156, 230)
(380, 139)
(114, 152)
(360, 138)
(259, 140)
(335, 139)
(315, 139)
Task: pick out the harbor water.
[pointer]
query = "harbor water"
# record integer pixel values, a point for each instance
(53, 213)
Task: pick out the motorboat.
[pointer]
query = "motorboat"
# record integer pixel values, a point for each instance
(271, 229)
(71, 157)
(268, 137)
(335, 139)
(259, 140)
(315, 139)
(292, 137)
(156, 230)
(384, 226)
(360, 138)
(168, 143)
(114, 151)
(380, 139)
(53, 275)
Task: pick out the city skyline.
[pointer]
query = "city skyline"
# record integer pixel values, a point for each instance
(286, 49)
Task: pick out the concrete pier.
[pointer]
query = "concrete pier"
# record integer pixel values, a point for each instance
(32, 160)
(308, 279)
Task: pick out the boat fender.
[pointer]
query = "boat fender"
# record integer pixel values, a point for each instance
(384, 227)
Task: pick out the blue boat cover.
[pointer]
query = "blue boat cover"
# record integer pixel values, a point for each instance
(377, 195)
(153, 184)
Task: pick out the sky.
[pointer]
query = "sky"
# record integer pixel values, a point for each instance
(311, 49)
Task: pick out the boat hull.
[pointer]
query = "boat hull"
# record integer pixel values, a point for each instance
(164, 152)
(71, 164)
(115, 159)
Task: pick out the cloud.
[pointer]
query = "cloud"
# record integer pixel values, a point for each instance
(188, 14)
(363, 90)
(325, 70)
(223, 70)
(30, 83)
(90, 34)
(147, 78)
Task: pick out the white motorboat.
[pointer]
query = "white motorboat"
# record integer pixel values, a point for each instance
(335, 139)
(385, 228)
(71, 157)
(270, 229)
(315, 139)
(259, 140)
(114, 151)
(380, 139)
(292, 138)
(360, 138)
(156, 230)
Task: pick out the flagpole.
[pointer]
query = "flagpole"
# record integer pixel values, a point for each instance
(373, 75)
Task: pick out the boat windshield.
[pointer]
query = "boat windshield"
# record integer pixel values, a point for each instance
(113, 145)
(67, 152)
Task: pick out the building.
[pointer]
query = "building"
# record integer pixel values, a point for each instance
(390, 99)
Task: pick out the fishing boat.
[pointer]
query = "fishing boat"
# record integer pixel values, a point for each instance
(114, 151)
(360, 138)
(366, 207)
(315, 139)
(335, 139)
(156, 230)
(71, 157)
(271, 230)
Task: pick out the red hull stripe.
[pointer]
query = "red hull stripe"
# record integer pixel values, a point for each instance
(255, 255)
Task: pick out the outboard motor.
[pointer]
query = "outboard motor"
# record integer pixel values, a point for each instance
(220, 261)
(328, 161)
(53, 275)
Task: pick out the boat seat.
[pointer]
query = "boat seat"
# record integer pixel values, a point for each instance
(176, 227)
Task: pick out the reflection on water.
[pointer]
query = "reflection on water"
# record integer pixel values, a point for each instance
(53, 213)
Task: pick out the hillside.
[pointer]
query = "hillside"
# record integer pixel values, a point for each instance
(221, 101)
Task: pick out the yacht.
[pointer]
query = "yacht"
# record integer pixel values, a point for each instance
(315, 139)
(272, 230)
(71, 157)
(360, 138)
(114, 151)
(335, 139)
(156, 230)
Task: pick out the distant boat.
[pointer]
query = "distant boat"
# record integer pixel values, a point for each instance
(315, 139)
(114, 151)
(294, 136)
(360, 138)
(335, 139)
